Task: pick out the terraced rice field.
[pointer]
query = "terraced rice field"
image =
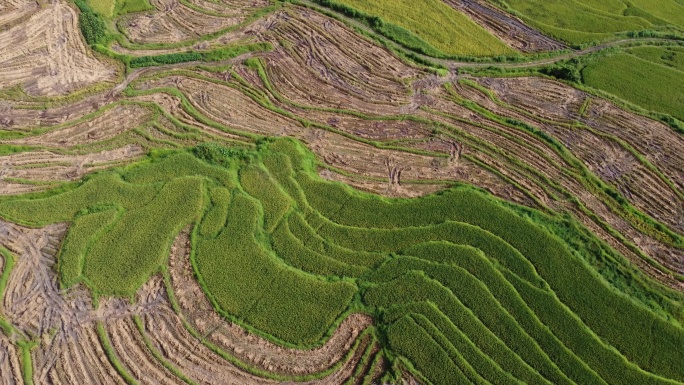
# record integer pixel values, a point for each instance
(261, 192)
(661, 90)
(584, 21)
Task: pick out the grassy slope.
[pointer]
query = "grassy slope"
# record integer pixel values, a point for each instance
(112, 8)
(103, 7)
(455, 280)
(129, 6)
(436, 23)
(653, 86)
(672, 57)
(582, 21)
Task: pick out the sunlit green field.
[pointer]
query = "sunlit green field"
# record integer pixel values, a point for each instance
(583, 21)
(654, 83)
(442, 27)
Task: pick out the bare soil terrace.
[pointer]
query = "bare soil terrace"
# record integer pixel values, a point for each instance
(46, 55)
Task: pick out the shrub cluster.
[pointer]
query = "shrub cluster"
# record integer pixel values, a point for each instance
(92, 25)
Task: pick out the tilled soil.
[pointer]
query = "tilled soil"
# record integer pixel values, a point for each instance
(14, 12)
(46, 55)
(324, 64)
(176, 22)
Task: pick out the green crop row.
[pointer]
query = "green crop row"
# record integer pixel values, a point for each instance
(415, 286)
(475, 296)
(483, 364)
(301, 229)
(215, 218)
(209, 56)
(236, 277)
(83, 233)
(583, 343)
(116, 267)
(487, 272)
(408, 338)
(295, 253)
(672, 57)
(274, 201)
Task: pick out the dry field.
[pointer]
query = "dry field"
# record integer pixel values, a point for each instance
(46, 56)
(174, 21)
(16, 11)
(374, 120)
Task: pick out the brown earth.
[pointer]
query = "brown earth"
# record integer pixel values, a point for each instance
(174, 21)
(42, 166)
(46, 55)
(14, 12)
(112, 122)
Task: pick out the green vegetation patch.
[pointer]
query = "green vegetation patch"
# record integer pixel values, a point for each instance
(103, 7)
(462, 286)
(121, 232)
(672, 57)
(92, 24)
(109, 9)
(447, 31)
(653, 86)
(129, 6)
(116, 267)
(83, 233)
(209, 56)
(584, 21)
(215, 218)
(244, 279)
